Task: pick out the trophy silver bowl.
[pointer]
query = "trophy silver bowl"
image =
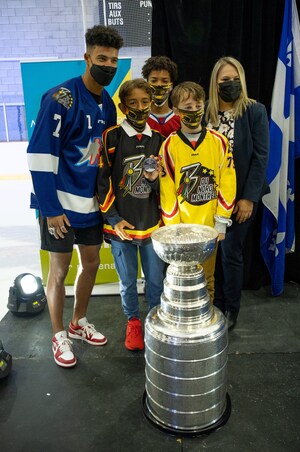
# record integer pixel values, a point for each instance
(186, 339)
(184, 244)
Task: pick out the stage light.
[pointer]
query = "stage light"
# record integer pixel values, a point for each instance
(5, 362)
(27, 295)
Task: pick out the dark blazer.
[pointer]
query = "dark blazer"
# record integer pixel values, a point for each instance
(251, 152)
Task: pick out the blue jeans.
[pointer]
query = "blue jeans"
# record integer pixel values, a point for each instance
(126, 261)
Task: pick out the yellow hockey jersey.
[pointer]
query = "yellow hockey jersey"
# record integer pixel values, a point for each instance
(199, 180)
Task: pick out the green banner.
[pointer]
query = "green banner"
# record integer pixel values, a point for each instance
(106, 272)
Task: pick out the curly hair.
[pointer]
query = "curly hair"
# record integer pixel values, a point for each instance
(103, 36)
(160, 63)
(185, 90)
(129, 85)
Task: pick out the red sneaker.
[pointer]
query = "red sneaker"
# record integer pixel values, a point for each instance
(134, 335)
(86, 332)
(62, 350)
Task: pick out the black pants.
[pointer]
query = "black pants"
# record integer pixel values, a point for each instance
(230, 266)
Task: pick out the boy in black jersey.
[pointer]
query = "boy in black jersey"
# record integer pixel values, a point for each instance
(128, 200)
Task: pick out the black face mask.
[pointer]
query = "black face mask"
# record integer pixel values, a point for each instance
(230, 91)
(102, 74)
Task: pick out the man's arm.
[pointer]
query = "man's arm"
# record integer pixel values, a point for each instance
(43, 156)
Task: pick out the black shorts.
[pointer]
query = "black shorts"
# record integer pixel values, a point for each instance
(75, 236)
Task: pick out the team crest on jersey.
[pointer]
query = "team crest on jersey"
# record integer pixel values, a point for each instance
(63, 96)
(91, 153)
(197, 184)
(133, 182)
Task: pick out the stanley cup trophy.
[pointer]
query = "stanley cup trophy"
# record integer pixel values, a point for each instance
(186, 339)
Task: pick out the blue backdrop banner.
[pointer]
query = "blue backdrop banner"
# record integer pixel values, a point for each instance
(39, 76)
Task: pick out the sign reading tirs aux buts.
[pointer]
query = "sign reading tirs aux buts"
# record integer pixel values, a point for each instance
(132, 19)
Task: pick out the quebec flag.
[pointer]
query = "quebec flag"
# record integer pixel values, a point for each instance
(278, 223)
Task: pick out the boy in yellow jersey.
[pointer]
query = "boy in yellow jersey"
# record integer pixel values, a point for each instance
(128, 200)
(199, 184)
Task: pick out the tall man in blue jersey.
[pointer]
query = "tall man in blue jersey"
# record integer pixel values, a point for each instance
(63, 156)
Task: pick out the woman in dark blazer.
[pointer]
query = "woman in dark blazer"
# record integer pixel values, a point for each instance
(244, 122)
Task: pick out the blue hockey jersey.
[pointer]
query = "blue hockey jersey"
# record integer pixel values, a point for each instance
(63, 153)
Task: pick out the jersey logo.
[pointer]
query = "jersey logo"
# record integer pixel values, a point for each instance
(197, 184)
(91, 153)
(132, 182)
(63, 96)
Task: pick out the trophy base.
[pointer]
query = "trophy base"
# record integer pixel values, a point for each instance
(188, 433)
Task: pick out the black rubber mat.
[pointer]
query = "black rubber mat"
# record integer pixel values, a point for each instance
(97, 406)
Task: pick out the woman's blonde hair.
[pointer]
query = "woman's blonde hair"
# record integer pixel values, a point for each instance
(240, 104)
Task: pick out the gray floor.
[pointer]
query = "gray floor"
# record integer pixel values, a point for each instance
(19, 236)
(97, 406)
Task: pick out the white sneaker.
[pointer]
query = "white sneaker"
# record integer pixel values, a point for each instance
(62, 350)
(86, 332)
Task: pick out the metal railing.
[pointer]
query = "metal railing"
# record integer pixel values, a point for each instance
(13, 122)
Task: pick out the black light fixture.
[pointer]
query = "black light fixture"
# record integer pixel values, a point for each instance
(27, 295)
(5, 362)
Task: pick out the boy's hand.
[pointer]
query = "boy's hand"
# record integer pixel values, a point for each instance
(153, 175)
(221, 236)
(119, 228)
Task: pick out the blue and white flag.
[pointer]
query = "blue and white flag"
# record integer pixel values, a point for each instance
(278, 224)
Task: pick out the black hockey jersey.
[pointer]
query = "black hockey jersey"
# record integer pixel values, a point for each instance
(123, 191)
